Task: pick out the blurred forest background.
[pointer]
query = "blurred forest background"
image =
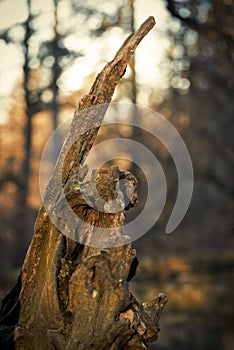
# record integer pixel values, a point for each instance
(50, 52)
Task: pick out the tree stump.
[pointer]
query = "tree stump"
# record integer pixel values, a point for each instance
(71, 295)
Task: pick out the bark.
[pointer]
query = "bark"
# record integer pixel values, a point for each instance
(71, 295)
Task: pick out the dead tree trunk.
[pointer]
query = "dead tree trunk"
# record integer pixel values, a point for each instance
(71, 295)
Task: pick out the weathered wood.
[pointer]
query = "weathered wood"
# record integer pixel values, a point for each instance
(71, 295)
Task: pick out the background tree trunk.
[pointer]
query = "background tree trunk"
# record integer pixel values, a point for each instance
(71, 295)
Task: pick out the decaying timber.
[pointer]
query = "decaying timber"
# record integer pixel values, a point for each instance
(70, 295)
